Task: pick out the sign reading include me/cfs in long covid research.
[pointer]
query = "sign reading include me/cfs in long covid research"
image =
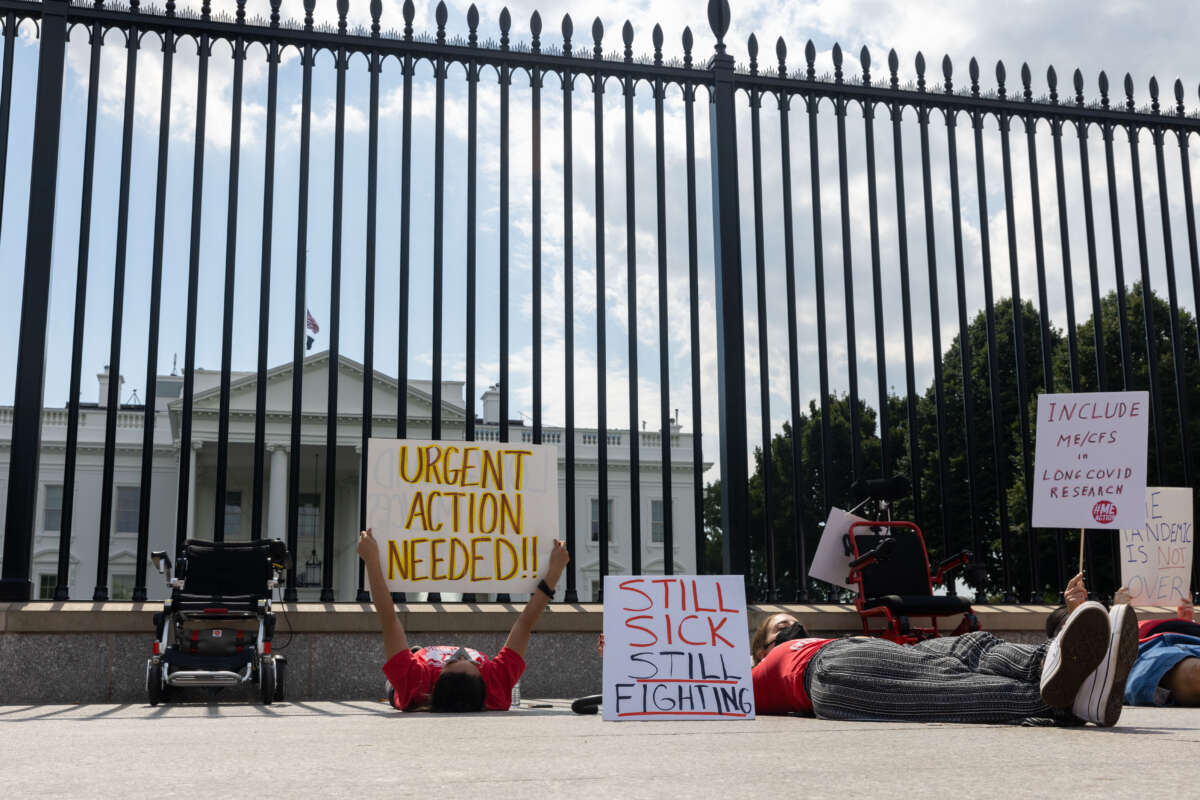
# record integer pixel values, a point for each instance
(676, 647)
(453, 516)
(1090, 460)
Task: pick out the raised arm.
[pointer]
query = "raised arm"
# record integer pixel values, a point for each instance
(518, 636)
(394, 638)
(1075, 593)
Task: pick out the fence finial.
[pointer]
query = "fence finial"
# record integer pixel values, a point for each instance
(837, 63)
(343, 8)
(627, 38)
(1001, 92)
(171, 9)
(472, 26)
(810, 58)
(239, 15)
(864, 58)
(376, 13)
(1128, 92)
(309, 5)
(409, 12)
(597, 35)
(535, 29)
(1078, 79)
(894, 69)
(274, 11)
(973, 72)
(687, 46)
(1052, 82)
(1179, 97)
(752, 50)
(1026, 82)
(718, 19)
(505, 27)
(205, 10)
(920, 64)
(568, 28)
(656, 36)
(1102, 82)
(1154, 94)
(439, 15)
(947, 72)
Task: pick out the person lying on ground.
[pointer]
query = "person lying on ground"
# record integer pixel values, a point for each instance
(769, 630)
(1167, 669)
(975, 677)
(449, 678)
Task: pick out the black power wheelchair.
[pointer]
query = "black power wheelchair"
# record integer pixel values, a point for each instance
(216, 629)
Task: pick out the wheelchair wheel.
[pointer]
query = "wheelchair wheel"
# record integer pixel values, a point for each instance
(266, 681)
(280, 680)
(154, 684)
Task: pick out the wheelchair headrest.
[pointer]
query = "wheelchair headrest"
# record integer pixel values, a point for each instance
(885, 489)
(228, 568)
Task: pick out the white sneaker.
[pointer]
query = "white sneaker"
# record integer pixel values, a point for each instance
(1078, 649)
(1101, 696)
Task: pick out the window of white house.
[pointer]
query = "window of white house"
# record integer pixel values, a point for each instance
(121, 587)
(52, 511)
(47, 583)
(233, 515)
(128, 501)
(308, 544)
(657, 521)
(596, 519)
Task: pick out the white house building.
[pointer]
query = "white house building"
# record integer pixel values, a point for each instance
(313, 493)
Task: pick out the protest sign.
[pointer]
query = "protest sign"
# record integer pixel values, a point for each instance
(1156, 558)
(676, 647)
(462, 516)
(831, 562)
(1090, 460)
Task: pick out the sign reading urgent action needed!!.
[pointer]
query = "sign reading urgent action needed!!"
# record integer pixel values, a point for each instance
(676, 647)
(1156, 558)
(462, 516)
(1090, 460)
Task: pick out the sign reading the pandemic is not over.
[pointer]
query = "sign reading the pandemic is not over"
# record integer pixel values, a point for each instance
(462, 516)
(1090, 460)
(1156, 558)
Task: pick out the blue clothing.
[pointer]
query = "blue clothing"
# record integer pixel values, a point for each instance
(1156, 656)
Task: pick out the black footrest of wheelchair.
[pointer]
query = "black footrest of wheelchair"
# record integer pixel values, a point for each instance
(587, 705)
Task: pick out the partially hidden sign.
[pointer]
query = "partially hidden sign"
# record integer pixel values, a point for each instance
(676, 647)
(1156, 558)
(831, 562)
(454, 516)
(1090, 460)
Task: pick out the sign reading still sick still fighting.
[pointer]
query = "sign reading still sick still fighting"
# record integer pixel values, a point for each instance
(462, 516)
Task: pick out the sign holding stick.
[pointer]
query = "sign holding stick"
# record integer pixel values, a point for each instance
(1090, 460)
(676, 647)
(1156, 558)
(462, 516)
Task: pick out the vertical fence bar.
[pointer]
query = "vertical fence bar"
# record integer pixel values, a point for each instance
(113, 408)
(148, 416)
(235, 135)
(535, 245)
(439, 203)
(1194, 256)
(814, 159)
(935, 324)
(1056, 128)
(800, 562)
(472, 155)
(764, 382)
(629, 88)
(868, 109)
(300, 311)
(405, 234)
(61, 590)
(999, 455)
(689, 122)
(568, 79)
(731, 335)
(964, 333)
(840, 106)
(264, 297)
(1118, 255)
(666, 423)
(1018, 318)
(505, 77)
(601, 308)
(9, 30)
(21, 510)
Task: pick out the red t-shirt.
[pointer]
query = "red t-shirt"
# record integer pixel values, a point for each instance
(412, 675)
(779, 678)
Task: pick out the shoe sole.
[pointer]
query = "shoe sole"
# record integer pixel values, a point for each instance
(1083, 645)
(1118, 665)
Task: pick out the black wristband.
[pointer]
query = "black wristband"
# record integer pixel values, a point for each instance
(545, 589)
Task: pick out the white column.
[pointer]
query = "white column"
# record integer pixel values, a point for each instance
(277, 494)
(191, 517)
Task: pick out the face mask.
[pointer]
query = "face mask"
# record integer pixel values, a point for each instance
(793, 631)
(460, 654)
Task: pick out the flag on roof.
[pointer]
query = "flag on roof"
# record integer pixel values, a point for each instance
(311, 324)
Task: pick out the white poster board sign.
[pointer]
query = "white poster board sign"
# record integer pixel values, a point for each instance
(462, 516)
(1090, 460)
(831, 562)
(676, 647)
(1156, 558)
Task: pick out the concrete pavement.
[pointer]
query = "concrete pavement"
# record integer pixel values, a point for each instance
(364, 749)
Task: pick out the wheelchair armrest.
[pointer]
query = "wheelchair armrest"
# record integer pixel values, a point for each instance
(882, 552)
(952, 563)
(162, 562)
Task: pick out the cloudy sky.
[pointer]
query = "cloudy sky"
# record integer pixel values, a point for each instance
(1115, 35)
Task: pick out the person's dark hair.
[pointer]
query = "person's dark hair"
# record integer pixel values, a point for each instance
(1055, 621)
(458, 691)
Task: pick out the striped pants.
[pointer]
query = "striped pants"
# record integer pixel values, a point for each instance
(975, 677)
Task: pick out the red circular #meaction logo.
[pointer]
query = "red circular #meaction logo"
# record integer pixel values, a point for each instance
(1104, 512)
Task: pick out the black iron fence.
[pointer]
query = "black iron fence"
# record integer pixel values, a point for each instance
(965, 441)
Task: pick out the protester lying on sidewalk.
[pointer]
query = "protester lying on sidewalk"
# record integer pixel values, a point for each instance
(448, 678)
(975, 677)
(768, 630)
(1167, 670)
